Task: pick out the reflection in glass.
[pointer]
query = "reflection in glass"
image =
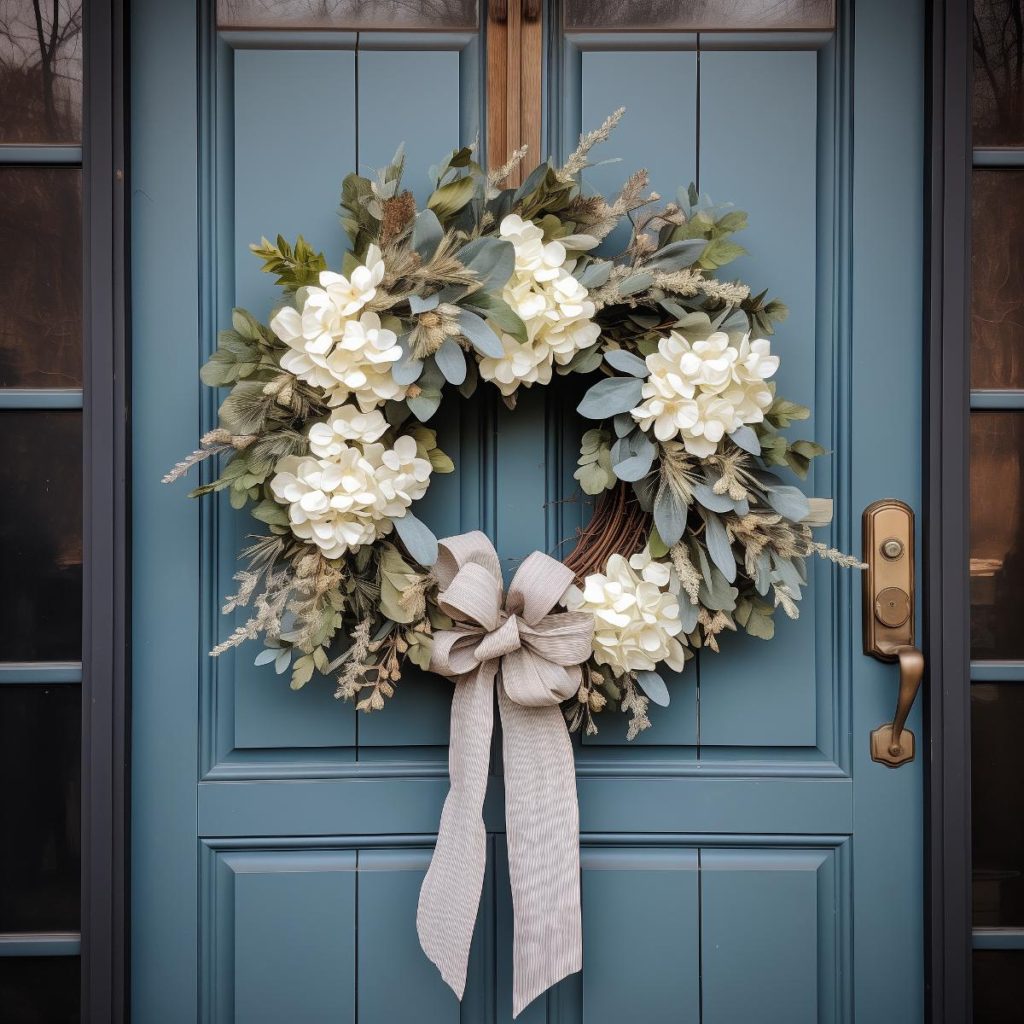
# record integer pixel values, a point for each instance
(41, 535)
(998, 986)
(40, 277)
(699, 15)
(998, 100)
(39, 988)
(341, 14)
(997, 809)
(997, 534)
(40, 71)
(40, 805)
(997, 279)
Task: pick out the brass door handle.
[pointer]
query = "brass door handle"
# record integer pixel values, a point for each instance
(891, 744)
(889, 618)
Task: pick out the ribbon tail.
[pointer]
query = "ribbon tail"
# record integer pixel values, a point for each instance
(542, 827)
(450, 894)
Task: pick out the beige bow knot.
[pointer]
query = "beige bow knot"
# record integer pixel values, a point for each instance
(539, 654)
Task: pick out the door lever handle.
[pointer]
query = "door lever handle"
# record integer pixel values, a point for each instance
(891, 744)
(889, 618)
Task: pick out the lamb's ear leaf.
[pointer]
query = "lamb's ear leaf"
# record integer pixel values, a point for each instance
(451, 361)
(426, 234)
(669, 515)
(610, 396)
(654, 686)
(719, 548)
(418, 539)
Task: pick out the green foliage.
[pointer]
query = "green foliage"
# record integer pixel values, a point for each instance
(295, 266)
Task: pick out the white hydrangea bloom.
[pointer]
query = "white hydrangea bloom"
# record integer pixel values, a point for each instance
(702, 391)
(346, 423)
(350, 499)
(551, 303)
(636, 614)
(332, 346)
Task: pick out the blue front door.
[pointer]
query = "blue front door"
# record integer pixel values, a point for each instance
(743, 860)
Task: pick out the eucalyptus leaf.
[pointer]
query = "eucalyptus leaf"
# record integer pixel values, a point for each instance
(654, 686)
(632, 468)
(677, 255)
(267, 655)
(491, 259)
(688, 614)
(499, 313)
(406, 370)
(624, 424)
(746, 439)
(585, 361)
(636, 283)
(451, 197)
(626, 362)
(610, 396)
(479, 335)
(424, 405)
(789, 502)
(418, 539)
(420, 305)
(704, 493)
(451, 361)
(426, 234)
(595, 274)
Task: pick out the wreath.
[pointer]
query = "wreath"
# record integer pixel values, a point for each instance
(326, 437)
(326, 423)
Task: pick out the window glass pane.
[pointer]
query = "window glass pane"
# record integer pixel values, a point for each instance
(998, 68)
(40, 277)
(41, 535)
(702, 15)
(362, 14)
(997, 755)
(39, 988)
(40, 71)
(998, 986)
(997, 279)
(997, 534)
(40, 807)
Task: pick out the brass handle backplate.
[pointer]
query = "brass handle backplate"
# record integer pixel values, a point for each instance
(888, 602)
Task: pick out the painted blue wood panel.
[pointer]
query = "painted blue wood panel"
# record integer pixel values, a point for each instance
(768, 942)
(640, 936)
(759, 150)
(643, 81)
(284, 941)
(396, 980)
(294, 141)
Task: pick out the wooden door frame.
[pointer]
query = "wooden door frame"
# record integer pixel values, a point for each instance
(946, 516)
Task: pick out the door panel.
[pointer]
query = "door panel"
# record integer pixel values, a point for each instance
(283, 835)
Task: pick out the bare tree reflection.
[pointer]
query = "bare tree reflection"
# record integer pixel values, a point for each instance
(347, 13)
(998, 72)
(704, 15)
(40, 70)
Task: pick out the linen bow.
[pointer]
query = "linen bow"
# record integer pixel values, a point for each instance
(539, 655)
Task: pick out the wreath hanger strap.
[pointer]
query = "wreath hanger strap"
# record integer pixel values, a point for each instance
(538, 656)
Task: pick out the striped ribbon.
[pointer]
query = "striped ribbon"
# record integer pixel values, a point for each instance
(532, 657)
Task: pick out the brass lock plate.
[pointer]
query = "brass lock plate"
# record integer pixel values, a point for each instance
(884, 751)
(889, 578)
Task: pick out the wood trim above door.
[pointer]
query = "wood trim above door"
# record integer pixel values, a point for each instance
(514, 52)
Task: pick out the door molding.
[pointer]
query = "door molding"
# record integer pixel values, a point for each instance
(947, 516)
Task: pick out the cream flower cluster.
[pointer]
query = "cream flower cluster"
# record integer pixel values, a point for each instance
(636, 614)
(702, 391)
(334, 347)
(349, 495)
(551, 303)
